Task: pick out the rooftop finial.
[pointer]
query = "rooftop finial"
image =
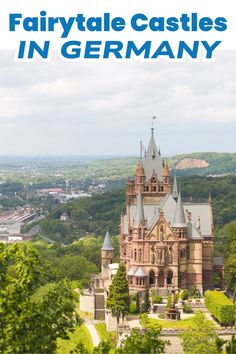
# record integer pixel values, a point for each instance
(153, 118)
(141, 151)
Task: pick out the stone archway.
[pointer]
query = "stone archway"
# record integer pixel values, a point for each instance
(161, 279)
(169, 277)
(152, 279)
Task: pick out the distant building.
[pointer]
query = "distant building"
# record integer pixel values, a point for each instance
(163, 240)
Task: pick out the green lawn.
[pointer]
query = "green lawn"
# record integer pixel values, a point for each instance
(81, 334)
(102, 331)
(181, 324)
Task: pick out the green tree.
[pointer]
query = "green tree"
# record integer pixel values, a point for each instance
(103, 347)
(118, 299)
(200, 337)
(27, 325)
(146, 305)
(137, 302)
(142, 343)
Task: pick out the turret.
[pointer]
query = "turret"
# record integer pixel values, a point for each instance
(166, 177)
(139, 177)
(139, 216)
(107, 254)
(179, 223)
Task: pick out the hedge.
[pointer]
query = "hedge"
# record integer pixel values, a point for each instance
(220, 307)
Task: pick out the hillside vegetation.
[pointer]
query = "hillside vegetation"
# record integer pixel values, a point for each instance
(94, 215)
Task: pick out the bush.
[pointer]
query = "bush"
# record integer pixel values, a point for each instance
(187, 309)
(184, 294)
(157, 299)
(220, 307)
(132, 307)
(169, 300)
(195, 292)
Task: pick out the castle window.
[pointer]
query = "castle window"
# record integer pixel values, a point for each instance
(146, 189)
(153, 180)
(153, 258)
(169, 277)
(135, 254)
(188, 252)
(154, 189)
(152, 278)
(161, 233)
(139, 255)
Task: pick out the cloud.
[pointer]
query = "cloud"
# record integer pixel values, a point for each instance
(106, 107)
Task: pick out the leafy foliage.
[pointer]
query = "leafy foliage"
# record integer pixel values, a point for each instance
(140, 343)
(28, 326)
(118, 299)
(220, 306)
(229, 233)
(200, 337)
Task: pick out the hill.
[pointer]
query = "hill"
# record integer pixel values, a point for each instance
(204, 164)
(93, 215)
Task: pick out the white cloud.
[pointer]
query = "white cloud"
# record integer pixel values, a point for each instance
(106, 108)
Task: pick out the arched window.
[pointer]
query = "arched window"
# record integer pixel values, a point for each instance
(135, 254)
(152, 278)
(161, 233)
(169, 277)
(139, 255)
(131, 254)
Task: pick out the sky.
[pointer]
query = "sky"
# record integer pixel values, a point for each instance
(106, 108)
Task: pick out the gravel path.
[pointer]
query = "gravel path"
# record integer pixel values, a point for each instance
(92, 330)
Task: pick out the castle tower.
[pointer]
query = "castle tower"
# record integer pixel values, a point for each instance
(179, 224)
(107, 255)
(166, 178)
(139, 177)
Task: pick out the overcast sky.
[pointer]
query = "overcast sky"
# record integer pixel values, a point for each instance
(82, 108)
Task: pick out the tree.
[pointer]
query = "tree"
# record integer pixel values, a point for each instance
(141, 343)
(118, 299)
(103, 347)
(137, 302)
(146, 305)
(200, 337)
(27, 325)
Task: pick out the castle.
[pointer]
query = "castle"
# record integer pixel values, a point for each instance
(164, 241)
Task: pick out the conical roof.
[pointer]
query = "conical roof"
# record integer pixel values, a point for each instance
(152, 160)
(166, 171)
(179, 218)
(139, 216)
(140, 169)
(175, 189)
(107, 246)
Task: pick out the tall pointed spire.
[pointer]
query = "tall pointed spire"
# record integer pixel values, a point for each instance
(139, 217)
(179, 218)
(175, 189)
(107, 246)
(152, 160)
